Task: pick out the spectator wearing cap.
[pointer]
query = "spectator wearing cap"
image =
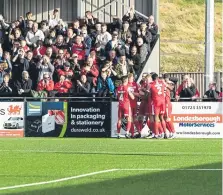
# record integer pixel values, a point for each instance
(134, 60)
(6, 87)
(66, 71)
(142, 49)
(144, 33)
(121, 69)
(186, 90)
(64, 85)
(46, 83)
(79, 48)
(86, 41)
(24, 86)
(211, 94)
(44, 27)
(153, 29)
(115, 44)
(83, 86)
(34, 35)
(91, 71)
(45, 66)
(104, 37)
(105, 86)
(40, 49)
(125, 32)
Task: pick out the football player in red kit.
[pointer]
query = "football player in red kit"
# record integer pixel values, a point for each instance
(157, 89)
(168, 110)
(124, 95)
(134, 89)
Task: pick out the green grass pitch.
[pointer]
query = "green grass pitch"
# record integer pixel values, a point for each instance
(142, 167)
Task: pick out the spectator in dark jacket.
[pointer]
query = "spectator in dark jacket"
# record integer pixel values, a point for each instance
(145, 34)
(83, 86)
(212, 94)
(90, 21)
(105, 86)
(24, 86)
(153, 29)
(186, 90)
(86, 41)
(142, 49)
(134, 60)
(20, 64)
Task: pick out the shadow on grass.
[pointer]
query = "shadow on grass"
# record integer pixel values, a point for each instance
(133, 154)
(174, 182)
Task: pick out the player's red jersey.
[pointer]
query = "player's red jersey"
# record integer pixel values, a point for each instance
(123, 96)
(133, 87)
(157, 89)
(124, 101)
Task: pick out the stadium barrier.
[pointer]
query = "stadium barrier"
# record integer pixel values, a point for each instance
(94, 117)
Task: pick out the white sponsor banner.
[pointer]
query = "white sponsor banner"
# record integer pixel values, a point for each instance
(11, 119)
(191, 120)
(198, 119)
(114, 123)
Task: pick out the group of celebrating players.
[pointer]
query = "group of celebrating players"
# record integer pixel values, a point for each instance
(155, 106)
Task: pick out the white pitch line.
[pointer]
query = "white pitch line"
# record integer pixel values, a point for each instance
(99, 172)
(57, 180)
(105, 152)
(163, 169)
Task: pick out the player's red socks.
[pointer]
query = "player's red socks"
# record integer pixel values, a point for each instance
(118, 128)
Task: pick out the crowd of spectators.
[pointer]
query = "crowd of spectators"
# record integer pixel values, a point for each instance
(52, 58)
